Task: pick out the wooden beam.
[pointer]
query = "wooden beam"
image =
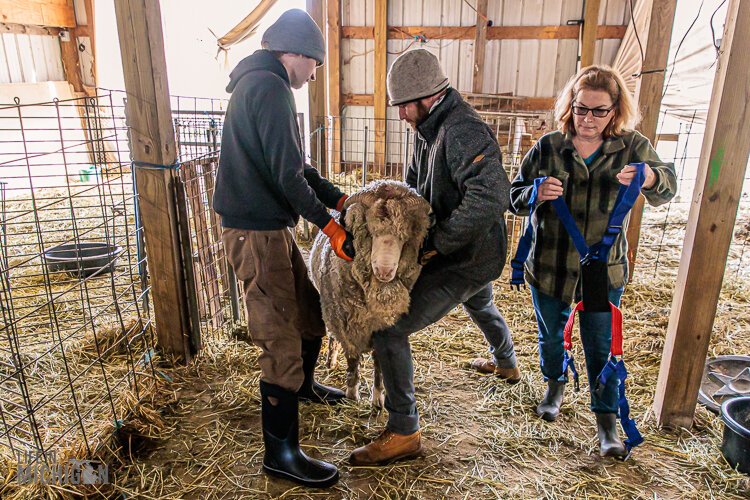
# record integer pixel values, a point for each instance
(550, 32)
(588, 35)
(152, 140)
(71, 56)
(58, 13)
(512, 103)
(666, 138)
(553, 32)
(649, 91)
(358, 99)
(71, 62)
(90, 31)
(333, 24)
(317, 96)
(26, 29)
(480, 44)
(381, 68)
(402, 32)
(718, 190)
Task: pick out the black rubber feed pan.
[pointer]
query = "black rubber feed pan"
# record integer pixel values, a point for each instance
(736, 443)
(82, 260)
(724, 378)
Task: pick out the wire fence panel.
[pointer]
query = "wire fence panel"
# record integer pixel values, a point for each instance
(75, 322)
(212, 285)
(75, 336)
(663, 228)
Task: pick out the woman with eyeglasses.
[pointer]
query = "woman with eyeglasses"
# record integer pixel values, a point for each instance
(585, 162)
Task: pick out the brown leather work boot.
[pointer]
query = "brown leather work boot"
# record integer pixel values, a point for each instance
(510, 375)
(387, 447)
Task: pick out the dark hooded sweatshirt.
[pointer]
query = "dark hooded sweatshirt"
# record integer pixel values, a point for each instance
(263, 182)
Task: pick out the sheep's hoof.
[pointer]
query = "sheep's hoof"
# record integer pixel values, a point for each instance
(353, 392)
(378, 399)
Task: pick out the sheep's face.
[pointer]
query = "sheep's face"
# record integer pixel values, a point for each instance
(388, 221)
(386, 253)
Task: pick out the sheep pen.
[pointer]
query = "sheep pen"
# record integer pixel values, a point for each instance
(195, 431)
(482, 437)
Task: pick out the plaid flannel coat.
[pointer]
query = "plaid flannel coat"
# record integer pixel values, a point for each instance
(590, 193)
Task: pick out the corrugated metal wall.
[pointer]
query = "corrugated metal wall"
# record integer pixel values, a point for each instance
(30, 58)
(535, 68)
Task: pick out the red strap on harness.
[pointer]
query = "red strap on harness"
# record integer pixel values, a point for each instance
(615, 347)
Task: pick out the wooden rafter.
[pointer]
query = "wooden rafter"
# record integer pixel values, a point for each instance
(54, 13)
(515, 103)
(552, 32)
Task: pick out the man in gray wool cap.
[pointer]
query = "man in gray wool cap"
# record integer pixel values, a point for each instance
(457, 167)
(263, 186)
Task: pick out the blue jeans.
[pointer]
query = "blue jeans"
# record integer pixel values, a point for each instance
(596, 336)
(434, 295)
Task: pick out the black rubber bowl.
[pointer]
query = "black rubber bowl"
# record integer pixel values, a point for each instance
(736, 443)
(82, 260)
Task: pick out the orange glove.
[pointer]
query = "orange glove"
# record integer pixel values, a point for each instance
(340, 203)
(342, 241)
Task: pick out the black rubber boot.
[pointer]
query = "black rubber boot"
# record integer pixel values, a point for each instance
(609, 442)
(311, 390)
(549, 408)
(283, 456)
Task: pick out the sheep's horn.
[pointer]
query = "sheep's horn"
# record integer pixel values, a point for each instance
(416, 201)
(366, 198)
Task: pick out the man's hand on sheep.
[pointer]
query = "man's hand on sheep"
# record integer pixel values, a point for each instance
(342, 241)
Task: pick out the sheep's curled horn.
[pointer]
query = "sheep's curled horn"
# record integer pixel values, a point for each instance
(367, 198)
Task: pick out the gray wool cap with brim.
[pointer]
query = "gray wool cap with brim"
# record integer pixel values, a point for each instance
(414, 75)
(296, 32)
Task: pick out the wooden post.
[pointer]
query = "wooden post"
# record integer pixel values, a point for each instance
(91, 31)
(650, 88)
(152, 140)
(588, 36)
(71, 62)
(334, 82)
(718, 189)
(381, 94)
(480, 45)
(317, 96)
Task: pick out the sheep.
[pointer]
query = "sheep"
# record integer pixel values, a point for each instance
(389, 222)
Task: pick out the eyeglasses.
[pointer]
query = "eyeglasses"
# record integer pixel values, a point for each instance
(597, 112)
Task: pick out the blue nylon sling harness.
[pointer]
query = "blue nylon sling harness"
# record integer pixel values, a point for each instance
(596, 253)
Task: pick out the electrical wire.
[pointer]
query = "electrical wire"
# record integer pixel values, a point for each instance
(638, 38)
(679, 46)
(486, 19)
(713, 33)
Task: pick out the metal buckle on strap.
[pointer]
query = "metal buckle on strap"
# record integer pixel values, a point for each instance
(614, 230)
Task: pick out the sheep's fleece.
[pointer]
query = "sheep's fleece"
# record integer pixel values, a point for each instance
(355, 303)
